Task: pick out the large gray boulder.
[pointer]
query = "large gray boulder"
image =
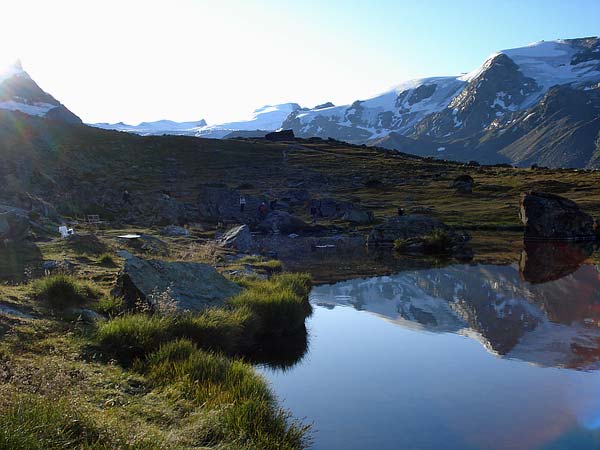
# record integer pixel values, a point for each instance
(14, 226)
(550, 216)
(238, 238)
(404, 227)
(185, 286)
(281, 221)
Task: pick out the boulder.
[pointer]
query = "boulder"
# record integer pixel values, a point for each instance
(331, 208)
(463, 184)
(238, 238)
(186, 286)
(550, 216)
(404, 227)
(13, 226)
(174, 231)
(283, 135)
(281, 221)
(359, 216)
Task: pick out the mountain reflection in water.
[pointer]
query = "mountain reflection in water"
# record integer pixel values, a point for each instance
(549, 323)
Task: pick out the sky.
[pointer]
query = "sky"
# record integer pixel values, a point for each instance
(134, 61)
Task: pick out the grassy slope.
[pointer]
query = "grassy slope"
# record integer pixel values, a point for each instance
(53, 365)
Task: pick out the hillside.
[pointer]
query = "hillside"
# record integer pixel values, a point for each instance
(80, 169)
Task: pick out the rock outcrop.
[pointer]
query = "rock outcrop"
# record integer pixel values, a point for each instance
(335, 209)
(404, 227)
(218, 203)
(14, 226)
(463, 184)
(180, 285)
(283, 135)
(281, 221)
(238, 238)
(421, 234)
(549, 216)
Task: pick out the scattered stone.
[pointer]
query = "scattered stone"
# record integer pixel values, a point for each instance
(84, 315)
(282, 222)
(182, 285)
(174, 231)
(463, 184)
(550, 216)
(238, 238)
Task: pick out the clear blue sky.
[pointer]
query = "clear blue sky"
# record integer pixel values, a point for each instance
(140, 60)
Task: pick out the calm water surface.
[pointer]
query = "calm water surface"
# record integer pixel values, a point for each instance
(464, 357)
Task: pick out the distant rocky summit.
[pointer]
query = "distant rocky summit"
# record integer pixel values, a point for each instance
(550, 216)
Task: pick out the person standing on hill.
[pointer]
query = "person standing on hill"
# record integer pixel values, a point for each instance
(262, 210)
(242, 203)
(126, 197)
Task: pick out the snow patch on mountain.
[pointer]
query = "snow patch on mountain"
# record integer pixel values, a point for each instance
(267, 118)
(39, 109)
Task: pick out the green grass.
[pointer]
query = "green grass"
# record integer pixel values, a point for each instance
(437, 243)
(250, 419)
(280, 303)
(106, 259)
(276, 306)
(111, 306)
(62, 291)
(36, 423)
(269, 266)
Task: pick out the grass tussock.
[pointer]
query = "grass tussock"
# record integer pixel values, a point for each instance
(250, 419)
(107, 260)
(438, 242)
(277, 306)
(62, 291)
(111, 306)
(269, 266)
(280, 303)
(36, 423)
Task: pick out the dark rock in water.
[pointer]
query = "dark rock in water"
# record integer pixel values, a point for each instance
(404, 227)
(548, 261)
(238, 238)
(174, 231)
(549, 216)
(283, 135)
(180, 285)
(421, 234)
(14, 226)
(280, 221)
(463, 184)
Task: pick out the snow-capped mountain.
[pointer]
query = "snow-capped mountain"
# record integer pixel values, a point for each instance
(464, 117)
(263, 120)
(18, 92)
(538, 104)
(156, 128)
